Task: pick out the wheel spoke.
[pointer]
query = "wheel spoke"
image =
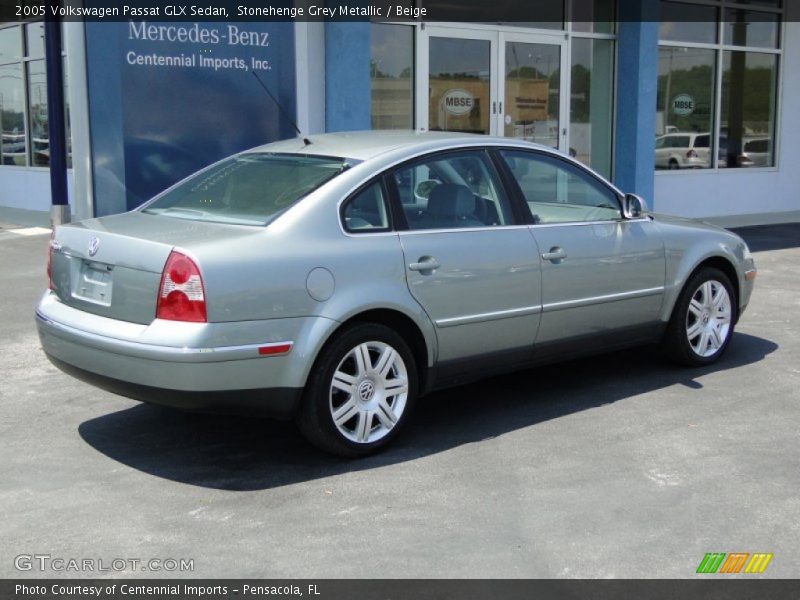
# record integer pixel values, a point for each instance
(708, 293)
(395, 387)
(696, 308)
(363, 360)
(702, 345)
(386, 361)
(345, 412)
(345, 382)
(715, 339)
(386, 415)
(694, 330)
(364, 425)
(719, 299)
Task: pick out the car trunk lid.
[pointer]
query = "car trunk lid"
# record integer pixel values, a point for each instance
(112, 266)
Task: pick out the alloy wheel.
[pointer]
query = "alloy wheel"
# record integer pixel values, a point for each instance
(708, 320)
(368, 392)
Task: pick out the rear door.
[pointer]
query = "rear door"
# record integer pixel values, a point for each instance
(469, 262)
(602, 275)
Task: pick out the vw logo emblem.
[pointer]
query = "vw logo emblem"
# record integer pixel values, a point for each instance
(94, 246)
(365, 390)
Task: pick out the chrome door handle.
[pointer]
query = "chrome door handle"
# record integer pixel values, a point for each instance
(425, 263)
(556, 254)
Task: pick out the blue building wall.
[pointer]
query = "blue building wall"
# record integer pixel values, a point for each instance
(637, 86)
(151, 125)
(347, 82)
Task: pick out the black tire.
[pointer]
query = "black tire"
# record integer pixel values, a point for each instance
(677, 344)
(315, 415)
(673, 164)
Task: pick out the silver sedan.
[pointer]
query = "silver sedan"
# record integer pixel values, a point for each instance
(335, 279)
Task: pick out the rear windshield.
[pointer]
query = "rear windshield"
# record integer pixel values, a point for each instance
(249, 189)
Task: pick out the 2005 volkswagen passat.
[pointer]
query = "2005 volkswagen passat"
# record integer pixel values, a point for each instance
(338, 278)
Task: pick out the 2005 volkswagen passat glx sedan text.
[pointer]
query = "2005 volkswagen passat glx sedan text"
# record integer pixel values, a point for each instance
(336, 279)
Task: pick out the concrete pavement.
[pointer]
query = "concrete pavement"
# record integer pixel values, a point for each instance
(613, 466)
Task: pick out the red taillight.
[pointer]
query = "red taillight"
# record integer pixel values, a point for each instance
(181, 296)
(691, 154)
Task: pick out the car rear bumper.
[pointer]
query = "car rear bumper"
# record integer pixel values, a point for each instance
(278, 403)
(221, 367)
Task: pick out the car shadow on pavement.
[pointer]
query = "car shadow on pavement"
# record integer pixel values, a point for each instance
(237, 453)
(771, 237)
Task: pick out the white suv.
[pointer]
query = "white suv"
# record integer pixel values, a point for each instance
(683, 151)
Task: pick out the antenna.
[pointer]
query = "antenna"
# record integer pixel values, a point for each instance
(280, 108)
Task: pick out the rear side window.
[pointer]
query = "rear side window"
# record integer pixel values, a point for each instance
(366, 211)
(249, 189)
(452, 191)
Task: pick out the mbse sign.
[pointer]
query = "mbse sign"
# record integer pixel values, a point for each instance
(683, 105)
(458, 102)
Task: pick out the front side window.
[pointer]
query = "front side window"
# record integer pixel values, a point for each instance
(248, 189)
(452, 191)
(559, 192)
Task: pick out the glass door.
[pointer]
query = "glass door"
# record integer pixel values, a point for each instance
(533, 103)
(493, 82)
(459, 67)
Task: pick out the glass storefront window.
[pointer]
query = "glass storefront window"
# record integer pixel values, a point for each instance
(10, 44)
(533, 90)
(749, 28)
(37, 114)
(747, 120)
(688, 133)
(684, 114)
(459, 76)
(688, 23)
(13, 146)
(591, 103)
(23, 97)
(34, 40)
(67, 126)
(392, 76)
(593, 16)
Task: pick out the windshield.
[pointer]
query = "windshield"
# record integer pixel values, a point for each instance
(248, 189)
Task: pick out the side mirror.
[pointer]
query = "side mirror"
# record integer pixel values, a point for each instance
(633, 206)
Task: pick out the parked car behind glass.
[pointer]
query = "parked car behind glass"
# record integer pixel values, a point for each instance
(683, 151)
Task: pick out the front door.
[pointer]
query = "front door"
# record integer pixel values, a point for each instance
(602, 276)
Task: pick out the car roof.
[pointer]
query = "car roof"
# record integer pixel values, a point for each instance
(363, 145)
